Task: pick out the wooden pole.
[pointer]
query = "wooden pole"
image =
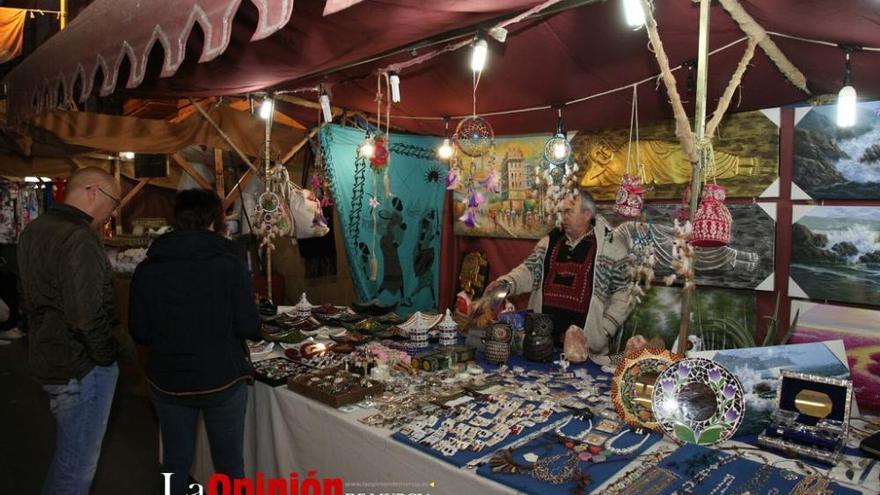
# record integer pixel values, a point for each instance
(224, 135)
(697, 176)
(134, 190)
(117, 175)
(219, 180)
(62, 16)
(235, 192)
(189, 169)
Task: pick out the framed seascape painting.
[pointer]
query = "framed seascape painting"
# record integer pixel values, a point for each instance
(746, 157)
(835, 253)
(759, 369)
(857, 327)
(835, 163)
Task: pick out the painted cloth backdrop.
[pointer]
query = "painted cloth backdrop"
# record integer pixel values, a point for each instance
(400, 231)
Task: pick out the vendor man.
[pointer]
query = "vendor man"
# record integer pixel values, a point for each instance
(578, 275)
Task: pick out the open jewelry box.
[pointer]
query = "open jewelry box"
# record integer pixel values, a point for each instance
(812, 416)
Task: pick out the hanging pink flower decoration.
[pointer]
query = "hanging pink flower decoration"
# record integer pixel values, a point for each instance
(492, 183)
(453, 178)
(374, 203)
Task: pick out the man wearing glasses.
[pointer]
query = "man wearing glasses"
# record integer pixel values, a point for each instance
(75, 334)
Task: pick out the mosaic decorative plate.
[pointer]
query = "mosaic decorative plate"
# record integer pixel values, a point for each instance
(633, 383)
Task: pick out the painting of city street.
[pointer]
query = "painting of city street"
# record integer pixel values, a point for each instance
(835, 163)
(835, 253)
(857, 327)
(759, 369)
(746, 150)
(520, 210)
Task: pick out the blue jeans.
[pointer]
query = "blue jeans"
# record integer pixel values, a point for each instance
(81, 409)
(224, 413)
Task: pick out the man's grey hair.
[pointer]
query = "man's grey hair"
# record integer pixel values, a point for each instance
(587, 202)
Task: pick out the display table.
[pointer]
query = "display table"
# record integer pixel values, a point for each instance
(286, 432)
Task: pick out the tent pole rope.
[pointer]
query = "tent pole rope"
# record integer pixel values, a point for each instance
(735, 80)
(267, 166)
(749, 26)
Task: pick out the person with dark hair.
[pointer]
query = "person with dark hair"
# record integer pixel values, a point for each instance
(192, 301)
(75, 335)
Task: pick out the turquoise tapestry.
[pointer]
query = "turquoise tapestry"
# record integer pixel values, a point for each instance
(396, 236)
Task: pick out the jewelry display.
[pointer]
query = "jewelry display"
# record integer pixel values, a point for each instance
(811, 485)
(690, 485)
(542, 470)
(609, 444)
(756, 483)
(652, 481)
(608, 426)
(276, 371)
(721, 488)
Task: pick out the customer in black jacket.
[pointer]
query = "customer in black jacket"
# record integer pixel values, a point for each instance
(192, 301)
(75, 334)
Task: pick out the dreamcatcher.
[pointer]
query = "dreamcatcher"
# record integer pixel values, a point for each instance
(475, 138)
(630, 196)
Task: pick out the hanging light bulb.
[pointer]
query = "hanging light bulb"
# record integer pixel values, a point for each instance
(846, 98)
(445, 151)
(367, 149)
(635, 14)
(126, 155)
(266, 108)
(394, 79)
(558, 149)
(479, 55)
(325, 106)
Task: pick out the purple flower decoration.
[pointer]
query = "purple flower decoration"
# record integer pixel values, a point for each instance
(731, 415)
(475, 199)
(453, 178)
(729, 391)
(491, 182)
(714, 374)
(668, 385)
(469, 218)
(684, 370)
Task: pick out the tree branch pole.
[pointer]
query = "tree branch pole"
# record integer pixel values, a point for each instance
(696, 178)
(267, 164)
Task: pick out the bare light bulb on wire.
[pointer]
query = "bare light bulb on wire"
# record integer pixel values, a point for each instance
(846, 98)
(394, 79)
(557, 150)
(445, 151)
(634, 13)
(479, 55)
(367, 149)
(266, 108)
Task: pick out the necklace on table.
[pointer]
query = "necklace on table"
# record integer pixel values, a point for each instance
(609, 444)
(542, 471)
(702, 475)
(811, 485)
(756, 483)
(578, 436)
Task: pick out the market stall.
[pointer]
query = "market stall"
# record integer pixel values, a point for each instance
(693, 366)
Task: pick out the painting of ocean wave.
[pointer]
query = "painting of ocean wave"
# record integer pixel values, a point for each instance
(835, 253)
(759, 369)
(835, 163)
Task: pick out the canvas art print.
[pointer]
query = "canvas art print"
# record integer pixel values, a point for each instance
(835, 253)
(746, 157)
(722, 318)
(746, 263)
(759, 369)
(857, 328)
(520, 209)
(830, 162)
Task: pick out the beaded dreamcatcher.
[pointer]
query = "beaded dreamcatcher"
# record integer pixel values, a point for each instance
(474, 136)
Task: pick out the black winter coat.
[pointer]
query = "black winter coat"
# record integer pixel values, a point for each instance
(68, 298)
(192, 300)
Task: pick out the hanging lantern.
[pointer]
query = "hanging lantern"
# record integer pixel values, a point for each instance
(712, 221)
(557, 150)
(630, 197)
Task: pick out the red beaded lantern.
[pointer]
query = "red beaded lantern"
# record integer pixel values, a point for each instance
(630, 197)
(713, 221)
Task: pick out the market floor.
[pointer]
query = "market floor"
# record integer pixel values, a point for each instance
(129, 457)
